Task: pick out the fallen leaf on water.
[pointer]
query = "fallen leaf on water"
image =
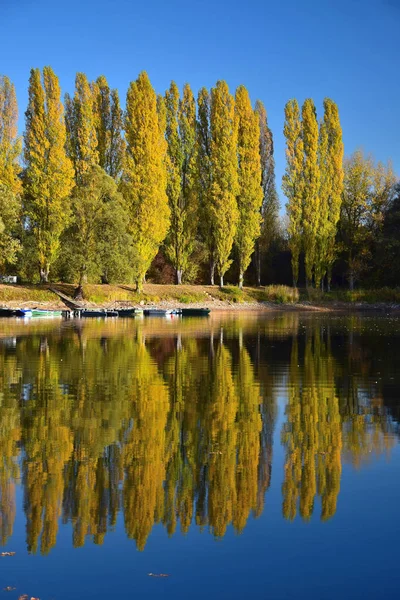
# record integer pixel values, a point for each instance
(157, 574)
(7, 553)
(9, 588)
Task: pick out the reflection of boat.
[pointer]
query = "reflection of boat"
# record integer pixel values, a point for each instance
(195, 312)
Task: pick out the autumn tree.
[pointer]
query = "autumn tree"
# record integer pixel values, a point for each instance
(270, 203)
(108, 124)
(204, 178)
(292, 182)
(144, 174)
(250, 196)
(48, 178)
(311, 175)
(330, 159)
(224, 188)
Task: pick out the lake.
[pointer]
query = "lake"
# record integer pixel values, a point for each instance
(242, 455)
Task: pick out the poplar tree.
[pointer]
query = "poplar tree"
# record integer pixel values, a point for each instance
(311, 186)
(108, 124)
(250, 194)
(10, 143)
(292, 182)
(10, 184)
(270, 203)
(224, 168)
(80, 118)
(204, 179)
(181, 138)
(144, 174)
(330, 190)
(49, 174)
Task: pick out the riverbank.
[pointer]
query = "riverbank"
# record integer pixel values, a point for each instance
(194, 296)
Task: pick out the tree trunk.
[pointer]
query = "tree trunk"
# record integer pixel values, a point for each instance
(78, 293)
(240, 279)
(212, 271)
(178, 276)
(44, 274)
(221, 281)
(328, 284)
(351, 281)
(258, 263)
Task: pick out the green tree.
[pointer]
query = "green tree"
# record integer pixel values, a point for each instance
(144, 175)
(108, 123)
(48, 176)
(204, 176)
(224, 188)
(97, 212)
(250, 195)
(311, 176)
(80, 118)
(293, 182)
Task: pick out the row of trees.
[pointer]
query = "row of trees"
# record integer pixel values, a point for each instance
(102, 189)
(336, 207)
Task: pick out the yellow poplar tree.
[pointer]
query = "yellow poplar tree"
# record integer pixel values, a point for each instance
(49, 172)
(144, 175)
(250, 195)
(311, 185)
(10, 143)
(292, 182)
(80, 117)
(224, 187)
(10, 184)
(330, 190)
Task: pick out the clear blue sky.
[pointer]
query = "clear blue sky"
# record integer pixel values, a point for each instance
(345, 49)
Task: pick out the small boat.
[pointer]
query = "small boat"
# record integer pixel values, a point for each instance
(23, 312)
(7, 312)
(159, 312)
(89, 312)
(129, 312)
(46, 313)
(195, 312)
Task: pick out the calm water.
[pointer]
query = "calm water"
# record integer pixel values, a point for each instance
(243, 456)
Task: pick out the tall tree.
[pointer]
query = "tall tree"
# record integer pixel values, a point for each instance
(311, 186)
(181, 138)
(80, 117)
(144, 175)
(250, 194)
(224, 187)
(10, 143)
(292, 182)
(108, 123)
(204, 177)
(49, 172)
(270, 203)
(330, 190)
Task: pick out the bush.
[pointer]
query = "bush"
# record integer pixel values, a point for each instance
(281, 294)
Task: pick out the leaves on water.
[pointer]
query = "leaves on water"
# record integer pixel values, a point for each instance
(9, 588)
(157, 574)
(7, 553)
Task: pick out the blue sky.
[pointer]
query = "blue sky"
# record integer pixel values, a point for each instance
(345, 49)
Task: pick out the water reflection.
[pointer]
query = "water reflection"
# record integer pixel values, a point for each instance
(173, 423)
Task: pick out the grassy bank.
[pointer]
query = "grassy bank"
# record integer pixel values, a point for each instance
(185, 295)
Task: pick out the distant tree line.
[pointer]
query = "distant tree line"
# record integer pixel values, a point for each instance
(174, 186)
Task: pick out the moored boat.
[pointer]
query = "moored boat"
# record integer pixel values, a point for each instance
(46, 313)
(195, 312)
(160, 312)
(88, 312)
(129, 312)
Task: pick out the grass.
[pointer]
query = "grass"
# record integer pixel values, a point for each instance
(25, 293)
(373, 296)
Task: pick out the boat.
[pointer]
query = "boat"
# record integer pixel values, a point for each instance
(23, 312)
(88, 312)
(195, 312)
(160, 312)
(46, 313)
(129, 312)
(7, 312)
